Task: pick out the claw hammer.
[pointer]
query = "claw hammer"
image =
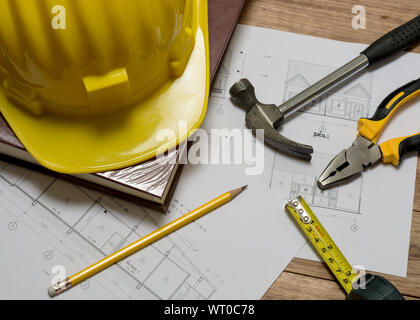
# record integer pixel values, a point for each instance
(270, 117)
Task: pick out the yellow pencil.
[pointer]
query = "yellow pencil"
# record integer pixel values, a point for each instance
(128, 250)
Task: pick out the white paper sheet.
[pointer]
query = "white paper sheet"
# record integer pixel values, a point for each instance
(369, 217)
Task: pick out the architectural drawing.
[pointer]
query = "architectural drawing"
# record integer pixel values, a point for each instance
(220, 82)
(349, 102)
(254, 65)
(301, 180)
(87, 226)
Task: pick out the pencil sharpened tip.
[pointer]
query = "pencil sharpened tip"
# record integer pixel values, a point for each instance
(235, 192)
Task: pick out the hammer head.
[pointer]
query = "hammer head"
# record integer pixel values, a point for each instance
(267, 117)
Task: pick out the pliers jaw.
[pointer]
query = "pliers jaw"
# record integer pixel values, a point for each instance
(350, 163)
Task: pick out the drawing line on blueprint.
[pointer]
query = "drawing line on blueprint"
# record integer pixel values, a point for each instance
(351, 102)
(220, 83)
(263, 61)
(186, 287)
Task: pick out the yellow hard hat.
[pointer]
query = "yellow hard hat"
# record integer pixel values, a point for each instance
(95, 85)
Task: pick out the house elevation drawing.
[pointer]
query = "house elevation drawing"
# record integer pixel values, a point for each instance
(301, 180)
(349, 102)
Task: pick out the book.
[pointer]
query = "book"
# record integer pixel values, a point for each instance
(152, 182)
(223, 17)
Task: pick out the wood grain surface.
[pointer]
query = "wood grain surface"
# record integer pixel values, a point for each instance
(332, 19)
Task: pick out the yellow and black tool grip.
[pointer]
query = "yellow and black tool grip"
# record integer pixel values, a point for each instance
(394, 149)
(371, 128)
(394, 41)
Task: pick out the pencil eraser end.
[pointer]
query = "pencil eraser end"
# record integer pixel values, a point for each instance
(52, 292)
(59, 287)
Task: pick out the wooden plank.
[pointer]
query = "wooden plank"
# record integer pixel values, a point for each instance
(332, 19)
(300, 287)
(417, 192)
(292, 286)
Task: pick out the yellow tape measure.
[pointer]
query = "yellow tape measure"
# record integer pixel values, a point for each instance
(323, 243)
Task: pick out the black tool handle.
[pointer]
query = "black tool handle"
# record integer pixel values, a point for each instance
(403, 93)
(410, 144)
(375, 288)
(394, 41)
(392, 150)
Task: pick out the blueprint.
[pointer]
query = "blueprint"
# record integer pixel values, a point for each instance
(57, 225)
(357, 214)
(52, 229)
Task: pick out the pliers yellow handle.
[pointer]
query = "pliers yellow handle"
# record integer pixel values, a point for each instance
(392, 150)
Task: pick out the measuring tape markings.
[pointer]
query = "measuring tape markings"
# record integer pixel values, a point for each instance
(323, 243)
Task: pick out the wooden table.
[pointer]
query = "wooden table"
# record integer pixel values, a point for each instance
(332, 19)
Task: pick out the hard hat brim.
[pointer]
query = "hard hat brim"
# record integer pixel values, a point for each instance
(78, 145)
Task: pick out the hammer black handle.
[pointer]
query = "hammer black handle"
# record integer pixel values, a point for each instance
(394, 41)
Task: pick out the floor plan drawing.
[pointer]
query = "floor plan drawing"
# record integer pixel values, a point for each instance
(303, 181)
(350, 102)
(93, 229)
(62, 228)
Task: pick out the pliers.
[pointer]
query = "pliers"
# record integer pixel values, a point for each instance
(365, 151)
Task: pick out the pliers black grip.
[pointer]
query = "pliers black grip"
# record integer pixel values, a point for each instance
(392, 150)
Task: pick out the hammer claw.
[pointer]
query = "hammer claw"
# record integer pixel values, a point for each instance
(287, 146)
(267, 117)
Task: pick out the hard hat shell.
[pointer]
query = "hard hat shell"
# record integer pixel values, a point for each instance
(90, 86)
